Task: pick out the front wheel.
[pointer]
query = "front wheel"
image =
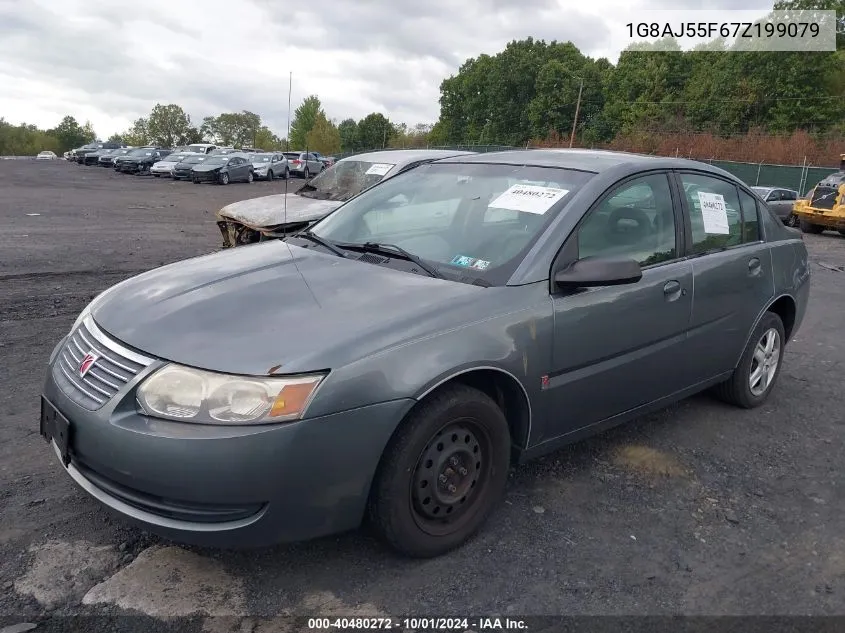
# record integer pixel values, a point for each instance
(224, 178)
(442, 473)
(250, 177)
(758, 369)
(270, 175)
(807, 227)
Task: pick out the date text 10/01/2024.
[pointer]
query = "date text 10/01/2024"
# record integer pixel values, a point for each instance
(464, 625)
(724, 29)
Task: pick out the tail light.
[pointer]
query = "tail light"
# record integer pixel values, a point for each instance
(297, 161)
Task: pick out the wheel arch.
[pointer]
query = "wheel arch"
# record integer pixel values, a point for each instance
(786, 308)
(502, 387)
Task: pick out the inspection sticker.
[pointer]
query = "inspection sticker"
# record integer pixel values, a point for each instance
(714, 213)
(378, 169)
(529, 198)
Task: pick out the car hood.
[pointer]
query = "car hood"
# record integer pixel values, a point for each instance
(166, 163)
(282, 208)
(279, 308)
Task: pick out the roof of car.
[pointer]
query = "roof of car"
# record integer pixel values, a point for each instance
(401, 156)
(593, 160)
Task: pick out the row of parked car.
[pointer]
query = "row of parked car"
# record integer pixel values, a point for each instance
(202, 162)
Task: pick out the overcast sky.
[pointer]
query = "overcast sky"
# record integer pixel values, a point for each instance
(110, 61)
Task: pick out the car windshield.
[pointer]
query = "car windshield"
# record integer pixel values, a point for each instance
(193, 160)
(466, 219)
(175, 158)
(345, 179)
(140, 152)
(197, 148)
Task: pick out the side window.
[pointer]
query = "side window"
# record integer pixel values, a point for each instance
(790, 195)
(636, 220)
(750, 218)
(715, 217)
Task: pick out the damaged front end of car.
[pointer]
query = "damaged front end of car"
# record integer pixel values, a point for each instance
(238, 234)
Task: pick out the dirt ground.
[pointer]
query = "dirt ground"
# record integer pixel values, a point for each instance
(700, 509)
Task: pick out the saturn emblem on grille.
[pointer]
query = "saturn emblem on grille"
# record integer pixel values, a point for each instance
(87, 363)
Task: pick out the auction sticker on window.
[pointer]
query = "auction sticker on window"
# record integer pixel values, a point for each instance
(529, 198)
(378, 169)
(714, 213)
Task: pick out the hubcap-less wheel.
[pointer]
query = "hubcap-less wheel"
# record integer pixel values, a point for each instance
(224, 179)
(449, 477)
(764, 363)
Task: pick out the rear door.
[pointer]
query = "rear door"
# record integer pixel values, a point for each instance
(732, 269)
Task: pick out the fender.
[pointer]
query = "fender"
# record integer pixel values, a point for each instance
(454, 374)
(759, 318)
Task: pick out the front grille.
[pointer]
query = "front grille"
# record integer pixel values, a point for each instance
(113, 368)
(824, 197)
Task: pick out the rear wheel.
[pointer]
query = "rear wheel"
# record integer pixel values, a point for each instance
(250, 177)
(758, 369)
(442, 473)
(807, 227)
(306, 174)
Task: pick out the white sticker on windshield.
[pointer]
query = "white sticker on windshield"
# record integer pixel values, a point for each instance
(714, 213)
(378, 169)
(529, 198)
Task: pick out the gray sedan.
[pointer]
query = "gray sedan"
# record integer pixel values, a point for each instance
(392, 363)
(781, 201)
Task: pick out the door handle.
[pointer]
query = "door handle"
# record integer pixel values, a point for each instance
(672, 290)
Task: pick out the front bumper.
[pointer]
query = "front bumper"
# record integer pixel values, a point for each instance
(226, 486)
(179, 175)
(161, 171)
(205, 176)
(829, 218)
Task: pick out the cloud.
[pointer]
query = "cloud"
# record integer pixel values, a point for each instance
(110, 62)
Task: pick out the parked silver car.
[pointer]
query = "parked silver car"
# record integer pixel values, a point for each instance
(781, 201)
(165, 166)
(270, 165)
(304, 165)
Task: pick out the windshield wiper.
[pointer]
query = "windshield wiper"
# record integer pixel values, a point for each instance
(392, 250)
(309, 235)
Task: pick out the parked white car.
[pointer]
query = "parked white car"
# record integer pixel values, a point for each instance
(165, 166)
(46, 155)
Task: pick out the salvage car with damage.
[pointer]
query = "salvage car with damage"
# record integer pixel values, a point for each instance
(277, 215)
(394, 361)
(141, 161)
(222, 169)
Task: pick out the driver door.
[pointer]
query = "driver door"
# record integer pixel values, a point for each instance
(616, 348)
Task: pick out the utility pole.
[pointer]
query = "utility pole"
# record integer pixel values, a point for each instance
(290, 86)
(577, 108)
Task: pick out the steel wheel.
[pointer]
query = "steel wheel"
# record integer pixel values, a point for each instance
(765, 361)
(450, 476)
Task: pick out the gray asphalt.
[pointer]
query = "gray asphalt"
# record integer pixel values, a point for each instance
(699, 509)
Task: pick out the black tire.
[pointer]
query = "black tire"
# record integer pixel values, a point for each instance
(737, 389)
(224, 178)
(250, 177)
(270, 175)
(306, 174)
(791, 220)
(408, 492)
(287, 173)
(807, 227)
(196, 182)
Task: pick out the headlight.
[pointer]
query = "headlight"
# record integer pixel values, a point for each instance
(192, 395)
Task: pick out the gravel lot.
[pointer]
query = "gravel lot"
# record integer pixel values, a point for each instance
(700, 509)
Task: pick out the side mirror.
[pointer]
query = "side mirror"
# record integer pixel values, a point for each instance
(598, 271)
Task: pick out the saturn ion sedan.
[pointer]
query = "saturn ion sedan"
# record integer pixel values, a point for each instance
(391, 364)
